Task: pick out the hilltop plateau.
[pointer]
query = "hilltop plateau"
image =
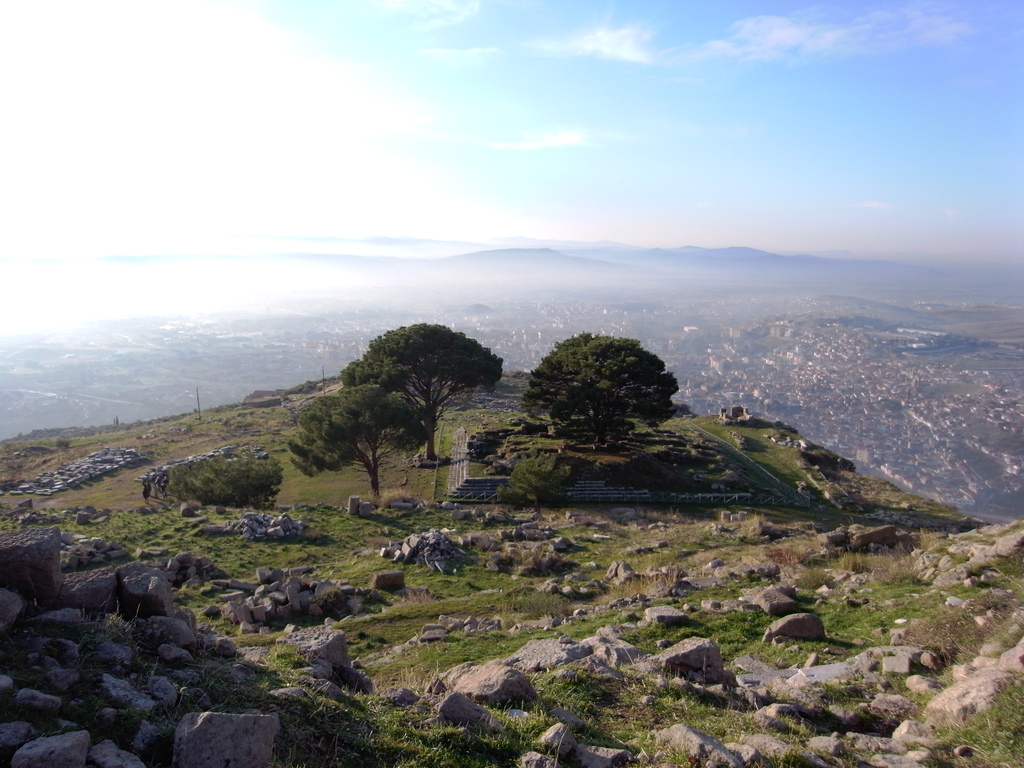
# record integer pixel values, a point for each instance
(720, 591)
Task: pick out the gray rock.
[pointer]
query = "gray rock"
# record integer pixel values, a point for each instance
(37, 700)
(143, 592)
(388, 580)
(221, 740)
(122, 694)
(93, 591)
(975, 694)
(458, 709)
(829, 745)
(567, 717)
(666, 615)
(113, 654)
(612, 650)
(159, 630)
(162, 689)
(491, 683)
(12, 736)
(767, 745)
(696, 658)
(801, 626)
(884, 536)
(107, 754)
(68, 750)
(537, 760)
(600, 757)
(773, 601)
(320, 643)
(619, 572)
(559, 739)
(30, 563)
(1013, 659)
(892, 705)
(697, 745)
(547, 653)
(865, 742)
(747, 754)
(11, 606)
(61, 679)
(400, 697)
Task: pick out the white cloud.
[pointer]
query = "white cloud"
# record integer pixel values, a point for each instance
(542, 140)
(623, 44)
(436, 12)
(766, 38)
(949, 213)
(876, 205)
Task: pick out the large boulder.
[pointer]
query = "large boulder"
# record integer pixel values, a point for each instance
(697, 745)
(547, 653)
(159, 630)
(696, 658)
(30, 563)
(967, 697)
(320, 643)
(93, 591)
(492, 683)
(143, 591)
(123, 694)
(773, 601)
(11, 606)
(1009, 543)
(221, 740)
(613, 651)
(107, 754)
(800, 626)
(1013, 659)
(13, 735)
(68, 750)
(458, 709)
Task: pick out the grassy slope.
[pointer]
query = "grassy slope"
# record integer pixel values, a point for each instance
(366, 731)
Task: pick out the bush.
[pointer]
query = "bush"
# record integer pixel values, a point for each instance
(240, 481)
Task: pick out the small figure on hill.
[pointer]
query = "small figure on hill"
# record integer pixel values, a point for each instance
(146, 490)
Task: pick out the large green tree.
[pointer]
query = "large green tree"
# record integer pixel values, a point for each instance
(427, 365)
(363, 425)
(595, 386)
(243, 480)
(535, 480)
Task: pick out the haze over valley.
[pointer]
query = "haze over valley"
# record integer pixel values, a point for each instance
(920, 384)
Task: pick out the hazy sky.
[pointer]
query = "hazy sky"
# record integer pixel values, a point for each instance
(132, 126)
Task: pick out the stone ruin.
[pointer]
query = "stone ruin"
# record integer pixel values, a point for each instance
(285, 594)
(77, 472)
(432, 549)
(734, 414)
(256, 526)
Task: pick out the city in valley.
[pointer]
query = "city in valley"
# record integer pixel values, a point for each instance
(924, 393)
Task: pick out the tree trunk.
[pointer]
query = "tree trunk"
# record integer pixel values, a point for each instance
(430, 425)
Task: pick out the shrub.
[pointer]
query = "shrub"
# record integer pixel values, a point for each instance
(240, 481)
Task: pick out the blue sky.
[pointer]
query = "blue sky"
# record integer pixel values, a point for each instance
(199, 126)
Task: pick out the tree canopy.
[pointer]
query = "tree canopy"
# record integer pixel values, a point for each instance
(535, 479)
(427, 365)
(595, 386)
(363, 425)
(243, 480)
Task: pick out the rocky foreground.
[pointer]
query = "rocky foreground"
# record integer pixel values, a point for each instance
(149, 659)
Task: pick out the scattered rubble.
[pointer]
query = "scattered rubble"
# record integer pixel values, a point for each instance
(77, 472)
(432, 549)
(255, 526)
